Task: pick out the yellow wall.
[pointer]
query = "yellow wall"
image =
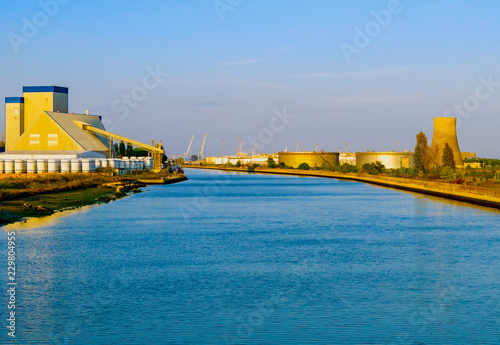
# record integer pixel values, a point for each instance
(313, 159)
(14, 122)
(36, 103)
(46, 135)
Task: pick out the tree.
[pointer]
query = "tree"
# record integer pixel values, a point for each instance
(448, 159)
(374, 168)
(180, 160)
(2, 144)
(421, 151)
(130, 150)
(303, 166)
(270, 162)
(115, 145)
(121, 150)
(238, 164)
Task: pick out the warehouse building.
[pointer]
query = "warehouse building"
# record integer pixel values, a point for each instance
(38, 125)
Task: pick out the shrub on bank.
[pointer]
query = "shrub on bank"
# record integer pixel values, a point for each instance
(304, 166)
(373, 168)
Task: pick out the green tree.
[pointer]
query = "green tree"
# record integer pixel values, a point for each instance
(115, 145)
(347, 168)
(180, 160)
(130, 150)
(2, 143)
(421, 151)
(304, 166)
(447, 173)
(238, 164)
(374, 168)
(448, 159)
(270, 162)
(121, 151)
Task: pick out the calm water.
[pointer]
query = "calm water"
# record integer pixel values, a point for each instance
(230, 258)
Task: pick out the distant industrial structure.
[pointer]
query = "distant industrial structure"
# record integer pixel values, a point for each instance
(445, 131)
(39, 127)
(313, 159)
(391, 160)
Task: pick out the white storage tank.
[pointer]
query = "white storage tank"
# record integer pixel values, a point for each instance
(31, 166)
(19, 166)
(104, 163)
(148, 163)
(127, 164)
(97, 163)
(9, 166)
(54, 165)
(65, 166)
(85, 165)
(92, 164)
(76, 165)
(140, 164)
(41, 166)
(2, 166)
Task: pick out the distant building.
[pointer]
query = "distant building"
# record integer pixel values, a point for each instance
(469, 155)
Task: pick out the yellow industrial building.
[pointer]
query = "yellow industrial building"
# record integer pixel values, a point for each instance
(38, 125)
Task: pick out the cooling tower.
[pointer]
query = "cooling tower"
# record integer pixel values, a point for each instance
(445, 131)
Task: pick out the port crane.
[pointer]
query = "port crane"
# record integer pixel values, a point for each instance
(253, 151)
(200, 155)
(188, 148)
(297, 148)
(156, 150)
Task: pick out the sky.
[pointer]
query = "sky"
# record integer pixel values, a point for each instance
(275, 73)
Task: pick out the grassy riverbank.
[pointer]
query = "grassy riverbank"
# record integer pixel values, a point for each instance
(485, 196)
(24, 196)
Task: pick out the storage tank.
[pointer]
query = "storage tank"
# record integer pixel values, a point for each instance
(97, 163)
(85, 165)
(31, 166)
(313, 159)
(148, 163)
(41, 166)
(76, 165)
(9, 166)
(391, 160)
(104, 163)
(54, 165)
(2, 166)
(92, 165)
(19, 166)
(65, 166)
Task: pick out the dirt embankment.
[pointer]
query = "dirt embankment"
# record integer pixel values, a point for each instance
(25, 196)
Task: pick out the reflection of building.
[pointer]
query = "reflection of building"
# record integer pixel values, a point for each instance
(38, 125)
(391, 160)
(313, 159)
(445, 131)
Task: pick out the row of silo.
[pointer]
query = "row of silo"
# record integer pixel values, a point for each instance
(85, 165)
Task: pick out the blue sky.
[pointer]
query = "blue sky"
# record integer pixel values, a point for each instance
(230, 71)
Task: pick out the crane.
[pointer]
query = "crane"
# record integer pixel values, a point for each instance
(297, 148)
(157, 150)
(253, 151)
(202, 147)
(188, 148)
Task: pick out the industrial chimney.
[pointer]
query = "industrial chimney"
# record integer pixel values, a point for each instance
(445, 131)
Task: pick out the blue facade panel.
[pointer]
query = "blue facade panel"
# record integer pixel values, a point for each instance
(14, 99)
(58, 89)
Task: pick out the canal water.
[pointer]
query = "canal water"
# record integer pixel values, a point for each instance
(234, 258)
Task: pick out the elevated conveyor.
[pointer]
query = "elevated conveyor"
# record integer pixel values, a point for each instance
(157, 150)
